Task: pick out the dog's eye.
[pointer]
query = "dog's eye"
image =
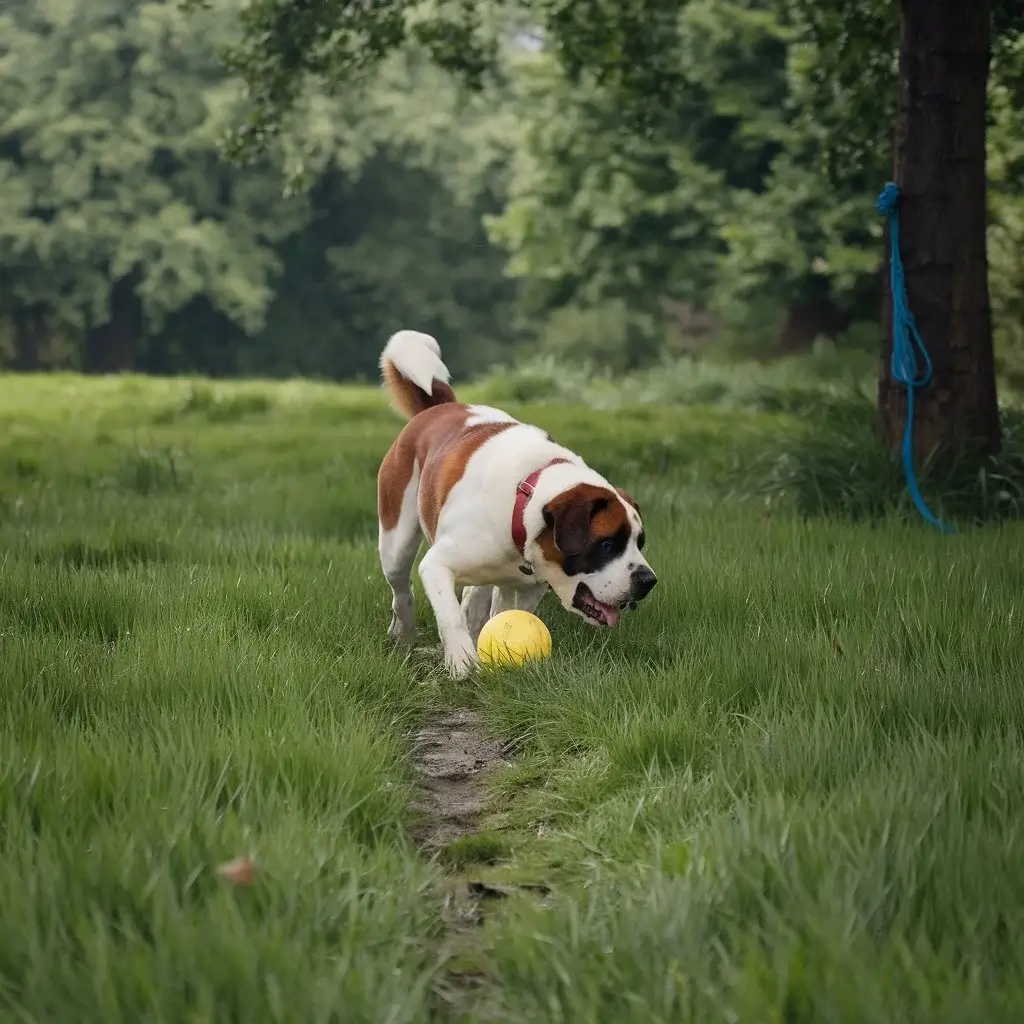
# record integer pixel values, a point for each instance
(641, 541)
(608, 546)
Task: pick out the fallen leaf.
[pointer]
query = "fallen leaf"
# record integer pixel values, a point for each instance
(240, 871)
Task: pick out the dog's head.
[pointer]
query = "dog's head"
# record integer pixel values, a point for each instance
(591, 552)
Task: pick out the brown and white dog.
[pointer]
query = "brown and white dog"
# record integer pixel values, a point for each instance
(507, 511)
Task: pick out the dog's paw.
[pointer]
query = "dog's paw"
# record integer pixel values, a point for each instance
(460, 661)
(400, 633)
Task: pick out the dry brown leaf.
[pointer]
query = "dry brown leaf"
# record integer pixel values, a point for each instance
(240, 871)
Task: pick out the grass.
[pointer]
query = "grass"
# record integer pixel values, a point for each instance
(478, 848)
(789, 787)
(789, 384)
(834, 464)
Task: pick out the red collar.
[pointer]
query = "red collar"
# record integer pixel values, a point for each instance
(524, 492)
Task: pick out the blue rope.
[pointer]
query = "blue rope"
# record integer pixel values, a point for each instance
(905, 339)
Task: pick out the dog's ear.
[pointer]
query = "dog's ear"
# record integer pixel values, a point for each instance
(568, 516)
(628, 499)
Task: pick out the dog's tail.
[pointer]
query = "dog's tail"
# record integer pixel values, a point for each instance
(413, 373)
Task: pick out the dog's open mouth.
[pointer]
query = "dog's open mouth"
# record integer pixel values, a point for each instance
(584, 601)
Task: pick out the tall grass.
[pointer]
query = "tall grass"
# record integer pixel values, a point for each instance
(789, 384)
(787, 787)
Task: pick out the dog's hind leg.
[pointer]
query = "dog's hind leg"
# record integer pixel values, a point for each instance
(476, 606)
(398, 541)
(524, 599)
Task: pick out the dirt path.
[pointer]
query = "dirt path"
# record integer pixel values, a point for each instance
(453, 754)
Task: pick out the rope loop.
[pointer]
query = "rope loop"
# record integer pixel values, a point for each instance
(907, 346)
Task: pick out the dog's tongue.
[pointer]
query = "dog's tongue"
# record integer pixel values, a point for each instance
(610, 613)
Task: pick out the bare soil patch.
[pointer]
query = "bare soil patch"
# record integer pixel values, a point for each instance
(452, 755)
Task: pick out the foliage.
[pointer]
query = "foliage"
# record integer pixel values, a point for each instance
(720, 207)
(797, 384)
(629, 46)
(596, 215)
(849, 81)
(411, 248)
(797, 240)
(399, 184)
(729, 208)
(1006, 213)
(126, 234)
(343, 43)
(111, 171)
(667, 151)
(850, 74)
(574, 207)
(612, 334)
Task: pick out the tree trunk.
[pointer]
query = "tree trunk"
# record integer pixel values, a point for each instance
(29, 331)
(939, 165)
(112, 347)
(809, 320)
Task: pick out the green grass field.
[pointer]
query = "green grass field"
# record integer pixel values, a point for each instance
(790, 787)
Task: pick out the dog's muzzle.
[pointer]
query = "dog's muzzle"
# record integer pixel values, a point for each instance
(642, 581)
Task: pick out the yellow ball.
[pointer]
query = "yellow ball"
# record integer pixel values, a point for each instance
(512, 638)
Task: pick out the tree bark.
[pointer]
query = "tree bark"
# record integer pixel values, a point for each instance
(939, 165)
(29, 328)
(112, 347)
(809, 320)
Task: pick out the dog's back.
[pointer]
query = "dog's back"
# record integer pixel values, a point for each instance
(430, 453)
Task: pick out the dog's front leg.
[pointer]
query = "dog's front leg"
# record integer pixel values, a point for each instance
(439, 586)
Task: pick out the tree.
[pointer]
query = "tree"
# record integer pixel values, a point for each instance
(632, 46)
(128, 238)
(721, 208)
(594, 215)
(118, 208)
(945, 49)
(937, 97)
(399, 179)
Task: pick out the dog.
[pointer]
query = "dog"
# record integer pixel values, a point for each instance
(508, 514)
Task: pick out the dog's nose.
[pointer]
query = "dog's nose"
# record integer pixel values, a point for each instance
(643, 581)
